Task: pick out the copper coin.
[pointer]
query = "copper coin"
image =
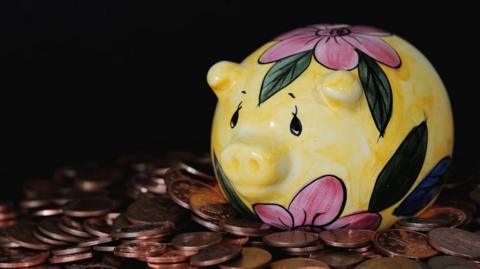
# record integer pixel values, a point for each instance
(215, 254)
(347, 238)
(209, 224)
(154, 211)
(47, 212)
(429, 223)
(454, 216)
(235, 239)
(95, 241)
(196, 240)
(71, 257)
(251, 258)
(172, 256)
(450, 262)
(97, 227)
(245, 227)
(121, 221)
(308, 249)
(211, 206)
(34, 203)
(143, 230)
(79, 232)
(72, 222)
(70, 250)
(338, 258)
(140, 249)
(47, 240)
(456, 242)
(50, 228)
(22, 259)
(194, 169)
(290, 239)
(22, 234)
(6, 242)
(390, 263)
(104, 248)
(397, 242)
(180, 190)
(88, 207)
(183, 265)
(299, 263)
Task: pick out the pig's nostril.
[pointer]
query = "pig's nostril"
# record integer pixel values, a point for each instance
(254, 165)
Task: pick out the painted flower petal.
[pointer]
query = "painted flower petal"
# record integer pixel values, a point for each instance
(319, 202)
(274, 215)
(335, 53)
(288, 47)
(368, 30)
(362, 220)
(309, 30)
(375, 48)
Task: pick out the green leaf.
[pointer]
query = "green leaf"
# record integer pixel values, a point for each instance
(401, 171)
(282, 73)
(377, 90)
(230, 192)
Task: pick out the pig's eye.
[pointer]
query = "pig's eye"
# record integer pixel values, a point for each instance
(234, 119)
(295, 124)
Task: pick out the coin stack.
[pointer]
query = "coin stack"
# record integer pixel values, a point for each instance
(169, 212)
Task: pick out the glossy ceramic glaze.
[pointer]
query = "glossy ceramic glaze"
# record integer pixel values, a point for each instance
(331, 126)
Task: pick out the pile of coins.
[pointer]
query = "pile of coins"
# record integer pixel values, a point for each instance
(168, 212)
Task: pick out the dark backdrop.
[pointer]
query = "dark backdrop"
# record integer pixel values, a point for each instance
(91, 80)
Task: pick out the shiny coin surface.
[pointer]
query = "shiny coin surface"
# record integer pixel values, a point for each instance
(215, 254)
(390, 263)
(450, 262)
(196, 240)
(88, 207)
(98, 227)
(299, 263)
(211, 206)
(290, 239)
(303, 250)
(180, 190)
(50, 228)
(251, 258)
(404, 243)
(154, 211)
(22, 259)
(70, 250)
(245, 227)
(47, 240)
(347, 238)
(456, 242)
(143, 230)
(78, 232)
(22, 234)
(338, 258)
(454, 216)
(71, 257)
(209, 224)
(140, 249)
(171, 256)
(95, 241)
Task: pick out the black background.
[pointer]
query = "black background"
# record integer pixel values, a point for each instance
(93, 80)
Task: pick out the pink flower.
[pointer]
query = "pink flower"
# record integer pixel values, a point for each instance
(317, 205)
(334, 46)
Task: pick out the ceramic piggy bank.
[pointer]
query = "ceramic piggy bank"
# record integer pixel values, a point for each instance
(331, 126)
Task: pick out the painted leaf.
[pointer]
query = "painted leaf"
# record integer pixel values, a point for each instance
(230, 192)
(424, 193)
(282, 73)
(377, 90)
(401, 171)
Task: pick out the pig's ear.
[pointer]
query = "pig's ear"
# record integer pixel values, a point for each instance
(339, 89)
(223, 77)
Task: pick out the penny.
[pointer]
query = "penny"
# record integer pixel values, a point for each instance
(154, 211)
(290, 239)
(456, 242)
(22, 259)
(347, 238)
(251, 258)
(201, 170)
(22, 234)
(299, 263)
(50, 228)
(211, 225)
(47, 212)
(6, 242)
(245, 227)
(427, 223)
(454, 216)
(338, 259)
(211, 206)
(70, 257)
(70, 250)
(450, 262)
(172, 256)
(72, 222)
(88, 207)
(140, 249)
(180, 190)
(97, 227)
(95, 241)
(215, 254)
(104, 248)
(235, 239)
(143, 230)
(184, 265)
(79, 232)
(390, 263)
(308, 249)
(196, 240)
(404, 243)
(48, 240)
(121, 221)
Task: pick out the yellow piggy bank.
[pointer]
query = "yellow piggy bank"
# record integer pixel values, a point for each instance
(331, 126)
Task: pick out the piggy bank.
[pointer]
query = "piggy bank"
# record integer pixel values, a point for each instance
(331, 126)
